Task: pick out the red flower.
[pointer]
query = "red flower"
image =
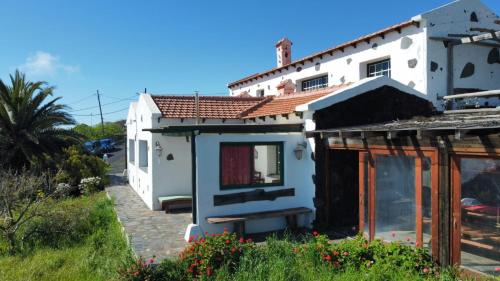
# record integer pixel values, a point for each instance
(209, 271)
(228, 242)
(191, 238)
(497, 268)
(346, 254)
(242, 240)
(425, 270)
(315, 233)
(335, 253)
(249, 240)
(233, 250)
(328, 258)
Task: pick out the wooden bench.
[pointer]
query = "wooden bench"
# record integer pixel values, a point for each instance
(177, 201)
(240, 219)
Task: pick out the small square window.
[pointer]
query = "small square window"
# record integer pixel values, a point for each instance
(260, 93)
(380, 68)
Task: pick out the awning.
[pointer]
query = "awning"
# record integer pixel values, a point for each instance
(480, 122)
(229, 129)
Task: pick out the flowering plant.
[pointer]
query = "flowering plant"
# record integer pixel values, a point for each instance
(139, 270)
(209, 253)
(89, 185)
(360, 253)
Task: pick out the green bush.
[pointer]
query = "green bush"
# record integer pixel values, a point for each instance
(68, 222)
(223, 257)
(205, 255)
(78, 165)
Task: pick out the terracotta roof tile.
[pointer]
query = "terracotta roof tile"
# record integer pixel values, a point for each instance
(211, 107)
(287, 104)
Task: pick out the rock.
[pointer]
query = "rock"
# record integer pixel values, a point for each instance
(406, 42)
(494, 56)
(412, 63)
(434, 66)
(468, 70)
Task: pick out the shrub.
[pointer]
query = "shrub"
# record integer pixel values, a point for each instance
(206, 254)
(78, 165)
(68, 222)
(88, 186)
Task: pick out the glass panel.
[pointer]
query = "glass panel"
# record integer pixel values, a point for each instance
(480, 209)
(395, 198)
(426, 202)
(266, 164)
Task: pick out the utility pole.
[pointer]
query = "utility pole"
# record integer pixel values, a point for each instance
(100, 110)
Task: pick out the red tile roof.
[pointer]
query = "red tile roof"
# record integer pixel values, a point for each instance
(287, 104)
(211, 107)
(330, 51)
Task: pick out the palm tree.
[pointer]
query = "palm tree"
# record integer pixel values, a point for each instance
(31, 128)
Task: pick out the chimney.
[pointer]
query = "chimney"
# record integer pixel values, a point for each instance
(284, 52)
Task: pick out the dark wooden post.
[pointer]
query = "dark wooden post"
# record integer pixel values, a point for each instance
(444, 234)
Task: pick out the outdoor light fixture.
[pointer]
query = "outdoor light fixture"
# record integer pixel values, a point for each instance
(299, 150)
(158, 148)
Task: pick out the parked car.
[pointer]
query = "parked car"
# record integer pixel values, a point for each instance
(107, 145)
(93, 147)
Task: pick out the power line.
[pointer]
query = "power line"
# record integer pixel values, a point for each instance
(82, 99)
(92, 107)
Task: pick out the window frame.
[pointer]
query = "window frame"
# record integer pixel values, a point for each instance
(131, 151)
(280, 162)
(368, 157)
(389, 70)
(146, 155)
(312, 88)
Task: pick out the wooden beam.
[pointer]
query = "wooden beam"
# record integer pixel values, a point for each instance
(444, 234)
(481, 37)
(273, 117)
(299, 114)
(285, 116)
(255, 195)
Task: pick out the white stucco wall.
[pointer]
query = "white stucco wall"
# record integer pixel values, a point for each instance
(141, 116)
(350, 65)
(413, 44)
(456, 19)
(297, 174)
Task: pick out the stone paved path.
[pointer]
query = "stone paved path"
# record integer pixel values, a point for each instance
(150, 232)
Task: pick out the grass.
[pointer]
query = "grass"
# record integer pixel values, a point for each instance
(275, 263)
(94, 253)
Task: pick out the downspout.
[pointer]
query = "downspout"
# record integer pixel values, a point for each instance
(193, 176)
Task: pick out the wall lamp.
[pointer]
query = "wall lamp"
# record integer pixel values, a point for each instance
(158, 148)
(300, 150)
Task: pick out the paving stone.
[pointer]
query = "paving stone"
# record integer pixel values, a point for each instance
(151, 233)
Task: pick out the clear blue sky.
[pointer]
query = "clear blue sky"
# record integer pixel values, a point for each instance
(122, 47)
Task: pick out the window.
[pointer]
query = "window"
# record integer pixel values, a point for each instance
(402, 199)
(380, 68)
(480, 214)
(251, 164)
(395, 204)
(260, 93)
(315, 83)
(143, 153)
(131, 151)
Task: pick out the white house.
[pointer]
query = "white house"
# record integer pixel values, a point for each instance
(249, 152)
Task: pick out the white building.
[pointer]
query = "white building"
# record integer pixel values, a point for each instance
(178, 146)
